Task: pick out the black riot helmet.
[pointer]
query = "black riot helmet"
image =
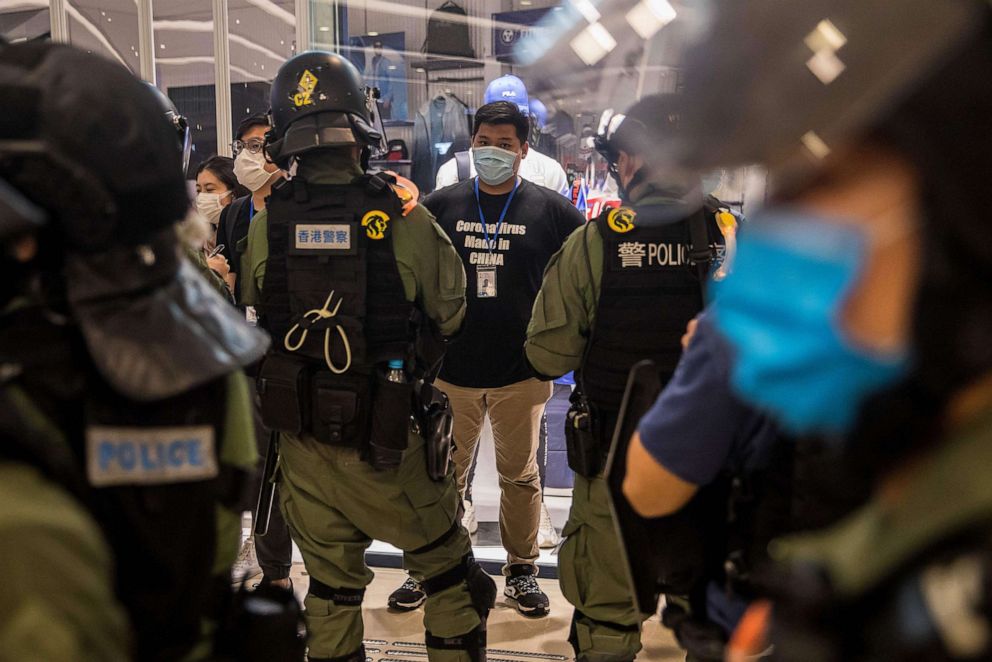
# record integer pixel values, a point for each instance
(318, 100)
(650, 125)
(808, 77)
(87, 143)
(179, 124)
(812, 79)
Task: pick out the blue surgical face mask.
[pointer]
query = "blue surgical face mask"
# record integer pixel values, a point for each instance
(781, 308)
(493, 165)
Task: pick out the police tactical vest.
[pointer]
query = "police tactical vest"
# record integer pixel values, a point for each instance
(149, 473)
(649, 291)
(335, 305)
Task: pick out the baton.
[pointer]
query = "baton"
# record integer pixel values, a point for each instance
(267, 493)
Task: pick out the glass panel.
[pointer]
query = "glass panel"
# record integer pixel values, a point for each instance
(263, 36)
(107, 27)
(184, 68)
(25, 24)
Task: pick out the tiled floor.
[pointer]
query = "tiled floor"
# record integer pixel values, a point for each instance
(512, 637)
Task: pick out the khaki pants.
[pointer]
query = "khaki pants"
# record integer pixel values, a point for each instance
(515, 412)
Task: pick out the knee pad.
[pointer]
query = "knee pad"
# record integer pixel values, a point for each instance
(342, 597)
(357, 656)
(481, 586)
(601, 641)
(473, 643)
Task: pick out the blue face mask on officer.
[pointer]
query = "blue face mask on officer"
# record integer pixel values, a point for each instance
(781, 310)
(494, 165)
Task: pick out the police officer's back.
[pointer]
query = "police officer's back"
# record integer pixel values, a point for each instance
(622, 289)
(357, 286)
(121, 378)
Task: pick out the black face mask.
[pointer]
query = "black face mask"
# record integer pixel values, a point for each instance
(624, 191)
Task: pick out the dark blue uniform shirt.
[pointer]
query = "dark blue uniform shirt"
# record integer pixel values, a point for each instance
(698, 427)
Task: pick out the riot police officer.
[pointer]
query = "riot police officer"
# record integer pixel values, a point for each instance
(622, 289)
(122, 376)
(357, 284)
(876, 331)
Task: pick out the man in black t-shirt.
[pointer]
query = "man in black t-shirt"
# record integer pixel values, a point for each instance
(506, 230)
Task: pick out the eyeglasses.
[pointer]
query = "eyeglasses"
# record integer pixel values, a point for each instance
(254, 146)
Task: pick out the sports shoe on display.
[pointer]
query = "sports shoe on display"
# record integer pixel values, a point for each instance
(246, 565)
(468, 519)
(523, 589)
(407, 597)
(547, 535)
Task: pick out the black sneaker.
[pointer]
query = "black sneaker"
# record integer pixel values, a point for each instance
(407, 597)
(522, 588)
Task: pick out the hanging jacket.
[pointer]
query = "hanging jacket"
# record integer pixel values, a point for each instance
(448, 113)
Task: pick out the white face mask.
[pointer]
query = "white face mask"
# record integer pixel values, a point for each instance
(250, 170)
(210, 205)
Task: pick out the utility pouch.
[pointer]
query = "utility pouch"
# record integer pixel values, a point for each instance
(585, 457)
(283, 388)
(436, 423)
(335, 412)
(390, 422)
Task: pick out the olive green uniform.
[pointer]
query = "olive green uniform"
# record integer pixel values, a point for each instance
(334, 502)
(72, 577)
(58, 602)
(591, 578)
(931, 537)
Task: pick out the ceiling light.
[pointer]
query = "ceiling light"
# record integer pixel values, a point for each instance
(373, 34)
(825, 41)
(815, 145)
(825, 36)
(237, 21)
(109, 19)
(420, 70)
(587, 9)
(162, 46)
(593, 44)
(324, 28)
(526, 3)
(649, 16)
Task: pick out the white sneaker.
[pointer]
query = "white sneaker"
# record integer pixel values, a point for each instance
(547, 535)
(246, 565)
(468, 519)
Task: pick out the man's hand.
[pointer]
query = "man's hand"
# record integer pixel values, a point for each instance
(219, 264)
(690, 331)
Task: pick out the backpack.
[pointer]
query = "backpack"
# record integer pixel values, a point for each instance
(463, 162)
(446, 36)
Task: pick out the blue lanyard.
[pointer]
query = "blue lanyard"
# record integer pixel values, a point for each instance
(491, 243)
(251, 209)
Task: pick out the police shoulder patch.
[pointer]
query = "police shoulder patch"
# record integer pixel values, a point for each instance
(376, 223)
(621, 219)
(150, 455)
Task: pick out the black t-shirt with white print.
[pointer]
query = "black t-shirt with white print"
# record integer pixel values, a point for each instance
(489, 351)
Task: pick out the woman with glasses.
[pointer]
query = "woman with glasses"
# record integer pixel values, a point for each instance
(255, 173)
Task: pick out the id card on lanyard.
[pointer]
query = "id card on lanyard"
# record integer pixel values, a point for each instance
(485, 276)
